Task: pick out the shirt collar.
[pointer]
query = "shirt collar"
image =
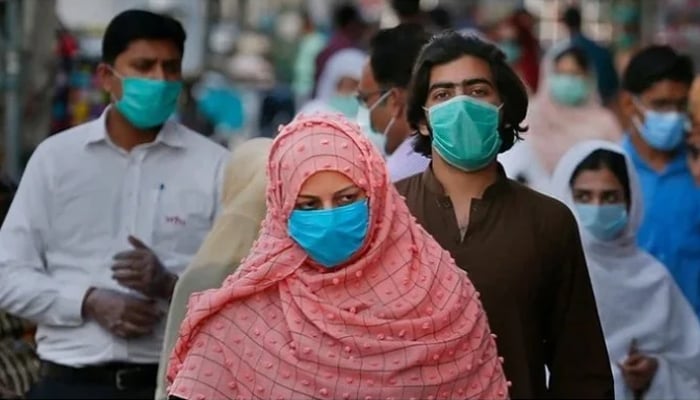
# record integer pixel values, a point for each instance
(494, 191)
(678, 162)
(169, 135)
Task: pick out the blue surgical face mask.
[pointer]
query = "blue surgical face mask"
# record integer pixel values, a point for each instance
(465, 132)
(568, 90)
(330, 237)
(147, 103)
(346, 104)
(605, 222)
(662, 130)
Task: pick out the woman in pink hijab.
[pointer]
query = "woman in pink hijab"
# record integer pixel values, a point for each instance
(343, 296)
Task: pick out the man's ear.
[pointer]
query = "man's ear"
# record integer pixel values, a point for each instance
(397, 102)
(105, 77)
(627, 106)
(423, 129)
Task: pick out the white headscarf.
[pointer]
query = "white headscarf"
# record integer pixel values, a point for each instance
(636, 296)
(346, 63)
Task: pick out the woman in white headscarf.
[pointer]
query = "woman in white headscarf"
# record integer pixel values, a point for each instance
(229, 241)
(565, 111)
(652, 333)
(337, 85)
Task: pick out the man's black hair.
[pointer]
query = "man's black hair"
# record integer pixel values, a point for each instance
(393, 52)
(346, 14)
(406, 8)
(449, 46)
(655, 64)
(572, 19)
(133, 25)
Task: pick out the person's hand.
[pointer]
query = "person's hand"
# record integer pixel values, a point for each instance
(122, 315)
(141, 270)
(638, 370)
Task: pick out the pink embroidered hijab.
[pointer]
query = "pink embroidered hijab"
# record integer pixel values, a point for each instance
(399, 320)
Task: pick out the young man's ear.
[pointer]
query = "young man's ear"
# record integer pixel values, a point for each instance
(105, 77)
(397, 102)
(627, 106)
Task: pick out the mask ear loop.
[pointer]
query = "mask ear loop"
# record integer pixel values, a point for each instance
(119, 76)
(114, 71)
(641, 108)
(379, 100)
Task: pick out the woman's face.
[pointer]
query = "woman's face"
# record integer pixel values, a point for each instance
(598, 187)
(347, 86)
(327, 190)
(567, 65)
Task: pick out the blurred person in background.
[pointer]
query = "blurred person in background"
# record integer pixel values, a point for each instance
(652, 333)
(601, 59)
(106, 216)
(528, 64)
(566, 111)
(521, 249)
(519, 51)
(337, 86)
(655, 103)
(693, 141)
(383, 94)
(19, 363)
(349, 30)
(409, 12)
(311, 43)
(440, 19)
(228, 242)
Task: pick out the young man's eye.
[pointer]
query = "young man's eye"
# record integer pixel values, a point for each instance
(441, 95)
(582, 197)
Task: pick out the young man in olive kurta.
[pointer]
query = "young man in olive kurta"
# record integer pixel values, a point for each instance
(521, 249)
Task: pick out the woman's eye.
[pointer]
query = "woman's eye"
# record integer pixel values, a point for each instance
(348, 199)
(306, 206)
(612, 198)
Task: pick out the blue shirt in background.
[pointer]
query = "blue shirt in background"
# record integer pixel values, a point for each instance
(671, 226)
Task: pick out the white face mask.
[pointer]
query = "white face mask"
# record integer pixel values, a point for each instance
(365, 121)
(378, 139)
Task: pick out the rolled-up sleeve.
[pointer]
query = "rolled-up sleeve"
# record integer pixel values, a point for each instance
(26, 288)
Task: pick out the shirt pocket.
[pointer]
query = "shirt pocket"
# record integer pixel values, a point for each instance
(182, 219)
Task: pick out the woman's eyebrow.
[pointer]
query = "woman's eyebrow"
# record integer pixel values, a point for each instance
(347, 189)
(307, 196)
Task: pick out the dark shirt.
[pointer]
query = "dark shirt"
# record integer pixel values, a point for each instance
(523, 253)
(606, 74)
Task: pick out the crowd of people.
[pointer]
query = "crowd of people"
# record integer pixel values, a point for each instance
(438, 221)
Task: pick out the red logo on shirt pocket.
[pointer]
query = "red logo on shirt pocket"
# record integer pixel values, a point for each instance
(175, 220)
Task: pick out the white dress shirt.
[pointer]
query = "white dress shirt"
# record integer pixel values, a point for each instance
(79, 199)
(404, 162)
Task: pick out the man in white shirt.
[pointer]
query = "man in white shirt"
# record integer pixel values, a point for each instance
(105, 217)
(383, 90)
